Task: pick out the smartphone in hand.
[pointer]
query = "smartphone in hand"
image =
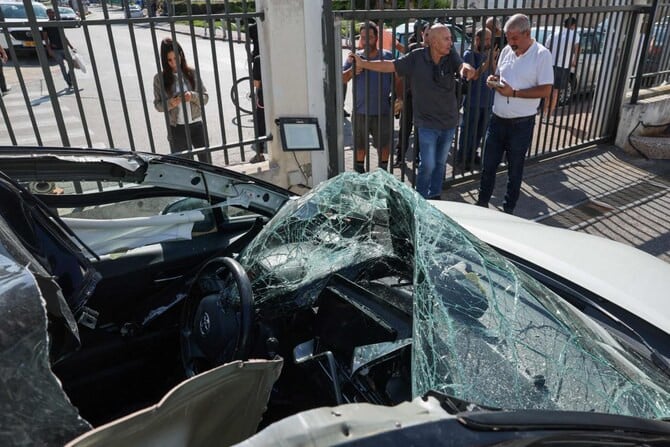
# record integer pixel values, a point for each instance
(495, 83)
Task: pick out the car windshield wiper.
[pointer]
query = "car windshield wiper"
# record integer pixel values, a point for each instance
(454, 405)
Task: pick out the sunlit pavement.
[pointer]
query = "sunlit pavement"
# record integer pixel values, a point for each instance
(601, 191)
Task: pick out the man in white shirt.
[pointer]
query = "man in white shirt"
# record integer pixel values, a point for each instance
(524, 75)
(564, 46)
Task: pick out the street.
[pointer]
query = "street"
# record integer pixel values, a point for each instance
(123, 83)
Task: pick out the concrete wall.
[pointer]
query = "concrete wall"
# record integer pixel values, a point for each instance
(652, 108)
(294, 66)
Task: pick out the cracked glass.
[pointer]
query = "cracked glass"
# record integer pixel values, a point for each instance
(27, 384)
(483, 331)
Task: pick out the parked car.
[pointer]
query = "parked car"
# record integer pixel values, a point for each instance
(460, 39)
(583, 77)
(134, 11)
(21, 38)
(658, 53)
(67, 13)
(185, 298)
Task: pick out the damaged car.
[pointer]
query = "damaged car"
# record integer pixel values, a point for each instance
(149, 299)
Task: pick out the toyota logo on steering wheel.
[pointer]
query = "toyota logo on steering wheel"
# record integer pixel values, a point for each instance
(204, 324)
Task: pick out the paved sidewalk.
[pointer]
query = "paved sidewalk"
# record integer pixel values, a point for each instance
(601, 191)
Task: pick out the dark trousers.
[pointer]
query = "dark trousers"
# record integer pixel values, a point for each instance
(511, 137)
(62, 59)
(472, 131)
(259, 118)
(406, 125)
(3, 84)
(197, 135)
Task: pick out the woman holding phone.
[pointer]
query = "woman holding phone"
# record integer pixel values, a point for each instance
(179, 91)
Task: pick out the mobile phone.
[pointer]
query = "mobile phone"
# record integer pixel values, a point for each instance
(495, 84)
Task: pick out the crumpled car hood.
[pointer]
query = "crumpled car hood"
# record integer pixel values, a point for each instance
(483, 331)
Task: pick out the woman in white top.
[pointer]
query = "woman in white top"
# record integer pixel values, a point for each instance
(179, 91)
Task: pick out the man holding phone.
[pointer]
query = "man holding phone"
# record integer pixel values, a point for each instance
(524, 75)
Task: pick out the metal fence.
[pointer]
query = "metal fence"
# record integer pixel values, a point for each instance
(653, 59)
(111, 103)
(588, 109)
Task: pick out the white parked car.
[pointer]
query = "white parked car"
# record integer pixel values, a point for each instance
(134, 11)
(67, 13)
(21, 38)
(583, 77)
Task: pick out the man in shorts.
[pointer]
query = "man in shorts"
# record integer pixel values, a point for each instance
(372, 106)
(564, 47)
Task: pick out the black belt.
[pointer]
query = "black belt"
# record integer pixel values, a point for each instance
(519, 120)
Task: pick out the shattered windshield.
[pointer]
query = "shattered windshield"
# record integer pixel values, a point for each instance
(483, 331)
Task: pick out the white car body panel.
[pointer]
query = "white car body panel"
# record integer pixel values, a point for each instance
(221, 406)
(628, 277)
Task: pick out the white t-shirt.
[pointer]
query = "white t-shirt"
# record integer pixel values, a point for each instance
(178, 89)
(562, 46)
(531, 69)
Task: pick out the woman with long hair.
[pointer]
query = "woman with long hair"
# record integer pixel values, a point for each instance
(177, 90)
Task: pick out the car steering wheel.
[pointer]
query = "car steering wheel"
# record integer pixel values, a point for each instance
(214, 330)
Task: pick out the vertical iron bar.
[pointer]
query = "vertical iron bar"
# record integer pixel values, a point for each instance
(333, 76)
(94, 69)
(622, 72)
(645, 44)
(44, 63)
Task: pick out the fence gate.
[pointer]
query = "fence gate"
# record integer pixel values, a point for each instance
(588, 109)
(111, 103)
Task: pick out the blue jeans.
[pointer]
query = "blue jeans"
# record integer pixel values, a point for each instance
(505, 136)
(434, 148)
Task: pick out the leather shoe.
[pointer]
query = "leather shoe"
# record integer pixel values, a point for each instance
(257, 158)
